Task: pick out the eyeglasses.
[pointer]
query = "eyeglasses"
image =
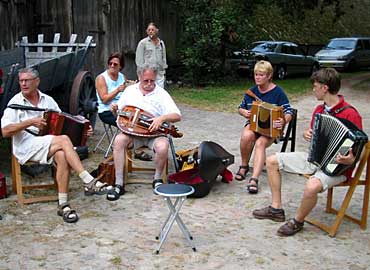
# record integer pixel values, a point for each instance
(149, 81)
(113, 63)
(26, 80)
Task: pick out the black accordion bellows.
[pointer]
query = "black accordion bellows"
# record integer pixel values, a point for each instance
(330, 136)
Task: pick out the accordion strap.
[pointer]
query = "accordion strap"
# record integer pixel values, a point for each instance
(335, 112)
(250, 93)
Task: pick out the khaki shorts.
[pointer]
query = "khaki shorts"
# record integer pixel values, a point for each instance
(296, 162)
(41, 155)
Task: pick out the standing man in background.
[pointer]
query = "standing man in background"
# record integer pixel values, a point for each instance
(152, 51)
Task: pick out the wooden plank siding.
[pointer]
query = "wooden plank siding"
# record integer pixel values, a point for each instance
(116, 25)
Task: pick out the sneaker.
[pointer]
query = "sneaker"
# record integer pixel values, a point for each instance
(268, 212)
(92, 188)
(290, 228)
(156, 183)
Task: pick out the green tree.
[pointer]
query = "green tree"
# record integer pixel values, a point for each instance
(211, 28)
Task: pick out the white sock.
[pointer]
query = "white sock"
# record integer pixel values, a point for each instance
(63, 198)
(86, 177)
(158, 175)
(119, 178)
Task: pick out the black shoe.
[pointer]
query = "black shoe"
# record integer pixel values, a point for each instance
(116, 192)
(156, 183)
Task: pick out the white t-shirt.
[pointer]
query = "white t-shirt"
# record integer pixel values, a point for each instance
(158, 102)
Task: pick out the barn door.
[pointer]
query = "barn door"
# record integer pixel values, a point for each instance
(88, 19)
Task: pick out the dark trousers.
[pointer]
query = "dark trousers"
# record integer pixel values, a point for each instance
(108, 118)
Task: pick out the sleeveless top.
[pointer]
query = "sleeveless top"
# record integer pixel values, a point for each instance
(111, 85)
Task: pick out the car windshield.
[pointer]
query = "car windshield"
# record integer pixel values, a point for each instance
(265, 47)
(341, 45)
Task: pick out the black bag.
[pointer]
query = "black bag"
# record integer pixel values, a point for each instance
(199, 167)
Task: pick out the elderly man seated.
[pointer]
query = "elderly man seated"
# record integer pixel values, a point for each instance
(44, 149)
(153, 99)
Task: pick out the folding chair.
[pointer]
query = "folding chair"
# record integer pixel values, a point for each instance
(290, 134)
(351, 184)
(110, 133)
(19, 188)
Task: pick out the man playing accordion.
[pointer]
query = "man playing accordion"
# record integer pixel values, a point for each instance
(46, 149)
(326, 85)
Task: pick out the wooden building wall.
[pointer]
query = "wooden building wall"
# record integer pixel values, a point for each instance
(116, 25)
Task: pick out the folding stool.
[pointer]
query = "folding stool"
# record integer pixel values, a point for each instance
(180, 192)
(110, 133)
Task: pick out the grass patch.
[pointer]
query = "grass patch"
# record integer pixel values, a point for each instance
(226, 97)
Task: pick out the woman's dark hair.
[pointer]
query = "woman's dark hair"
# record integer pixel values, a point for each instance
(120, 58)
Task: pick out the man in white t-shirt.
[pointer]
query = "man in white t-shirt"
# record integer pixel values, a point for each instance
(153, 99)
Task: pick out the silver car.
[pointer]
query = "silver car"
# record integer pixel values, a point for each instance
(287, 58)
(345, 53)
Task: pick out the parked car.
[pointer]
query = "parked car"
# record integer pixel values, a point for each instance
(287, 58)
(346, 53)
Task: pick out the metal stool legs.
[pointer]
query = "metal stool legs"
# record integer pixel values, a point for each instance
(172, 217)
(110, 134)
(180, 192)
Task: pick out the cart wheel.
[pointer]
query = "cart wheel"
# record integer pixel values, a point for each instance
(83, 99)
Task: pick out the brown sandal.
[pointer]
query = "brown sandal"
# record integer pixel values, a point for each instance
(241, 175)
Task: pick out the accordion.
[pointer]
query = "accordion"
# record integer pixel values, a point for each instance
(75, 127)
(262, 116)
(331, 136)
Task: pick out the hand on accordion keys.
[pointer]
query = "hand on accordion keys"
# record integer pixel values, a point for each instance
(278, 123)
(39, 122)
(345, 158)
(307, 134)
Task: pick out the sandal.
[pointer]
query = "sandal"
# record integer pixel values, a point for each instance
(69, 215)
(93, 189)
(116, 192)
(252, 187)
(142, 155)
(242, 175)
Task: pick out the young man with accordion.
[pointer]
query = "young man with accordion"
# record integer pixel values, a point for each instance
(335, 146)
(24, 124)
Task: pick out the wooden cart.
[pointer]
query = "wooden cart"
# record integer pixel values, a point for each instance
(59, 66)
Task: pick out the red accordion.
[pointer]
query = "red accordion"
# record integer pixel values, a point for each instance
(59, 123)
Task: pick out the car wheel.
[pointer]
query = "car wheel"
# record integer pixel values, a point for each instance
(315, 68)
(281, 72)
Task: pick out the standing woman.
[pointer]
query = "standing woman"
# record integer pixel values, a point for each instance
(109, 85)
(269, 92)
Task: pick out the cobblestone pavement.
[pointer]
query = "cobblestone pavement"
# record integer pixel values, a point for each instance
(121, 234)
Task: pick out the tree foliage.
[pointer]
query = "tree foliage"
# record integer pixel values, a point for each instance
(212, 29)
